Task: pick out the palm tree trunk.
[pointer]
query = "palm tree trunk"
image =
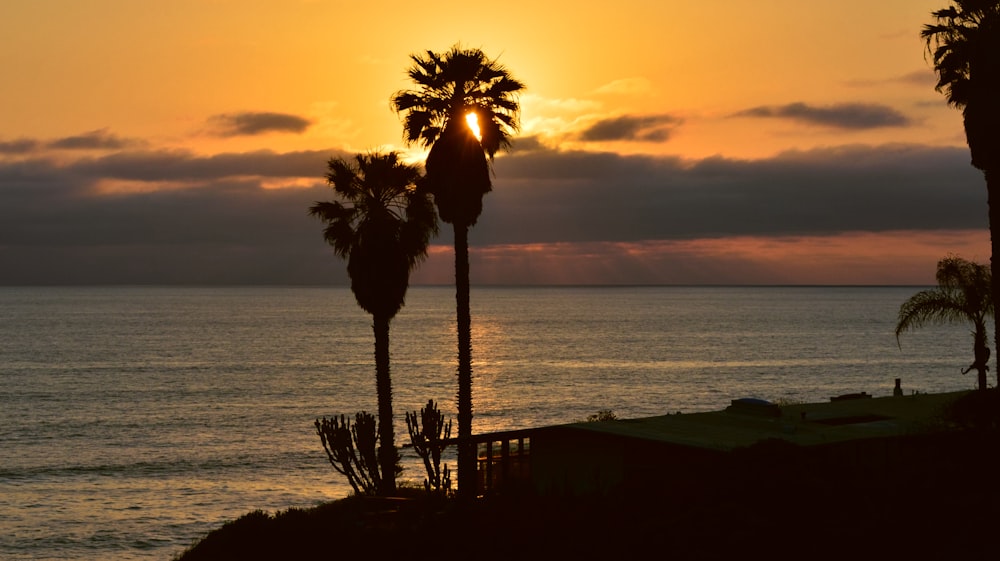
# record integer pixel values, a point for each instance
(982, 353)
(993, 202)
(466, 449)
(387, 454)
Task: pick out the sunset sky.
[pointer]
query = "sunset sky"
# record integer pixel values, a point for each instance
(662, 142)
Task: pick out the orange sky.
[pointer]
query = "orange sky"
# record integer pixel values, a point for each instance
(117, 103)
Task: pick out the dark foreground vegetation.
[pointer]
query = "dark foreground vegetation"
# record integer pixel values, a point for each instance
(939, 500)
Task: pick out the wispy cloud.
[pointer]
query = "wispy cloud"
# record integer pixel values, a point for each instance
(918, 78)
(100, 139)
(843, 115)
(526, 144)
(174, 165)
(642, 128)
(94, 140)
(923, 78)
(254, 123)
(626, 86)
(19, 146)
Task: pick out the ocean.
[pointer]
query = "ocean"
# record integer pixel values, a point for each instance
(134, 420)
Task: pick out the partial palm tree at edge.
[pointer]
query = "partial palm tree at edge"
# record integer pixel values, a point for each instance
(450, 87)
(383, 232)
(964, 42)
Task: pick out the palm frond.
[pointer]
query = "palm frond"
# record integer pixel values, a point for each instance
(963, 295)
(929, 306)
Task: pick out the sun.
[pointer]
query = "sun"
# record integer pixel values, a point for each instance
(473, 120)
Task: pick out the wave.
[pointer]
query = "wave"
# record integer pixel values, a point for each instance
(208, 468)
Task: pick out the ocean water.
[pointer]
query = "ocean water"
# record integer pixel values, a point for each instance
(134, 420)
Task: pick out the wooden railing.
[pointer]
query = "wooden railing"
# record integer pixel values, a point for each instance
(503, 461)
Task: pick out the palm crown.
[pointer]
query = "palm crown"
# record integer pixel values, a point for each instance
(385, 229)
(958, 42)
(449, 88)
(964, 43)
(963, 294)
(452, 85)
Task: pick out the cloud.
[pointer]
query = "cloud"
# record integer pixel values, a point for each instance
(94, 140)
(19, 146)
(883, 258)
(220, 224)
(644, 128)
(533, 104)
(844, 115)
(164, 165)
(924, 78)
(551, 196)
(55, 228)
(249, 123)
(626, 86)
(526, 144)
(99, 139)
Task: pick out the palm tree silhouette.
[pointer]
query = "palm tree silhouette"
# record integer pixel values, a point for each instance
(962, 295)
(383, 232)
(451, 87)
(964, 41)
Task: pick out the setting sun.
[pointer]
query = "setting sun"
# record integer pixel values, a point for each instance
(473, 120)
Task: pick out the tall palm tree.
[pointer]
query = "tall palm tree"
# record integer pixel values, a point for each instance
(964, 41)
(453, 89)
(383, 232)
(963, 294)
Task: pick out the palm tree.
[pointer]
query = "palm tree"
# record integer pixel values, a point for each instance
(964, 41)
(454, 89)
(963, 294)
(383, 232)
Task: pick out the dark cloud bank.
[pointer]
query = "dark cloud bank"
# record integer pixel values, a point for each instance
(93, 140)
(589, 197)
(217, 225)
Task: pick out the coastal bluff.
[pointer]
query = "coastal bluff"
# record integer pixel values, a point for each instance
(931, 494)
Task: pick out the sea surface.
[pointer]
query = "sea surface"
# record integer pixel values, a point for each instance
(134, 420)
